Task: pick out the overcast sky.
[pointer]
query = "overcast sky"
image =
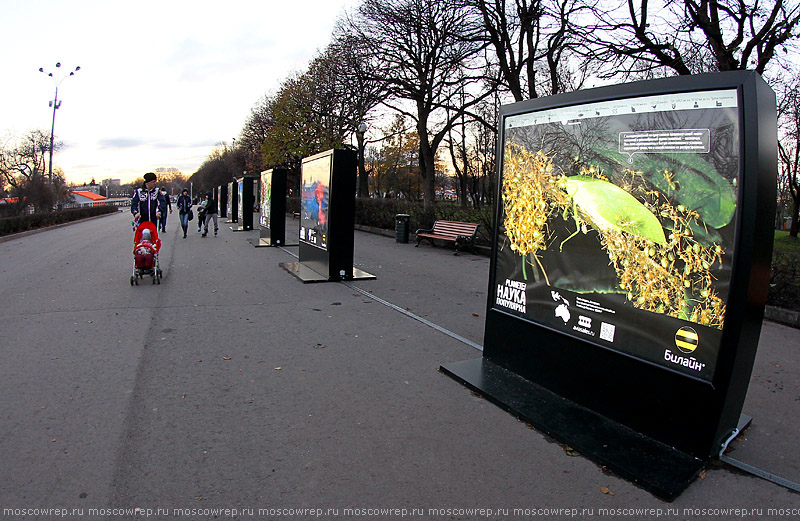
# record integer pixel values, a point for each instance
(161, 82)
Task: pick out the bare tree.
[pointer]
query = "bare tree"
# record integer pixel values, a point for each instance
(426, 51)
(23, 167)
(533, 42)
(472, 155)
(459, 158)
(789, 151)
(692, 36)
(347, 63)
(395, 165)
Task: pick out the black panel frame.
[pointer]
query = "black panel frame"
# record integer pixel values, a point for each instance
(692, 416)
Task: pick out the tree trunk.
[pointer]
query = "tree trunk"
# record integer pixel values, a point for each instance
(363, 179)
(427, 169)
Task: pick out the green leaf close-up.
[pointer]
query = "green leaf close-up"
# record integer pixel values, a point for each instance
(610, 208)
(686, 179)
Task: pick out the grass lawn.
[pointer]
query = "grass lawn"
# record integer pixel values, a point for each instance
(785, 244)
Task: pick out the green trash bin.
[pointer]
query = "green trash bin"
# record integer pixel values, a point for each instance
(402, 221)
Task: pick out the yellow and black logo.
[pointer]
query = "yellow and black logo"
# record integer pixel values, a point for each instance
(686, 339)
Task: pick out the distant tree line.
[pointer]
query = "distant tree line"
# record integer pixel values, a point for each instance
(427, 77)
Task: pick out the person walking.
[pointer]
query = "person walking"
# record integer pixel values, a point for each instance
(167, 205)
(211, 213)
(147, 201)
(184, 205)
(201, 213)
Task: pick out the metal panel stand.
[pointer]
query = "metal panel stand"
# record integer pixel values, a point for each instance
(308, 276)
(267, 243)
(658, 468)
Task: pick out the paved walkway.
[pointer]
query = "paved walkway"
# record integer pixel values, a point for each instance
(233, 386)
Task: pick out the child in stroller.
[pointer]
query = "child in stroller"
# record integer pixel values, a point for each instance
(145, 253)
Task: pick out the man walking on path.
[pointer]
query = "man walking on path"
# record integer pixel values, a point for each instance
(147, 201)
(164, 213)
(211, 212)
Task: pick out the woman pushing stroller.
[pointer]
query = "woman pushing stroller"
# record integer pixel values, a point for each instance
(147, 204)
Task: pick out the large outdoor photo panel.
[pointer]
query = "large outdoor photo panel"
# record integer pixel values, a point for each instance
(233, 202)
(315, 196)
(630, 266)
(240, 197)
(327, 219)
(618, 222)
(266, 198)
(272, 208)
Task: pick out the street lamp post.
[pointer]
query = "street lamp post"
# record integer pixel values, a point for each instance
(55, 104)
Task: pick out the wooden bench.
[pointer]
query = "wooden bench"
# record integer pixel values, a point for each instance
(450, 231)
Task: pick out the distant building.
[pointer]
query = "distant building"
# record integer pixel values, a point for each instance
(87, 198)
(94, 188)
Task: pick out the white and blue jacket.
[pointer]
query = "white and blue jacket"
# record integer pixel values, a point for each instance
(147, 203)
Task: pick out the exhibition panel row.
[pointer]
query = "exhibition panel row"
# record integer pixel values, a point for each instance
(326, 220)
(629, 268)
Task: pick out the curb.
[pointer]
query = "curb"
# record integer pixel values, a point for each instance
(786, 317)
(374, 230)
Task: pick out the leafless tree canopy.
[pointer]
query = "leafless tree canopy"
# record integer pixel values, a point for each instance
(427, 54)
(691, 36)
(23, 169)
(789, 154)
(532, 42)
(445, 65)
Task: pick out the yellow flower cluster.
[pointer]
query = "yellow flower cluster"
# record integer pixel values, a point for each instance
(672, 278)
(530, 193)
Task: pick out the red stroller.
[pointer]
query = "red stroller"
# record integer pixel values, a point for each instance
(145, 253)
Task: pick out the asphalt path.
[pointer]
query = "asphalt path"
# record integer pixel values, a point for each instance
(232, 385)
